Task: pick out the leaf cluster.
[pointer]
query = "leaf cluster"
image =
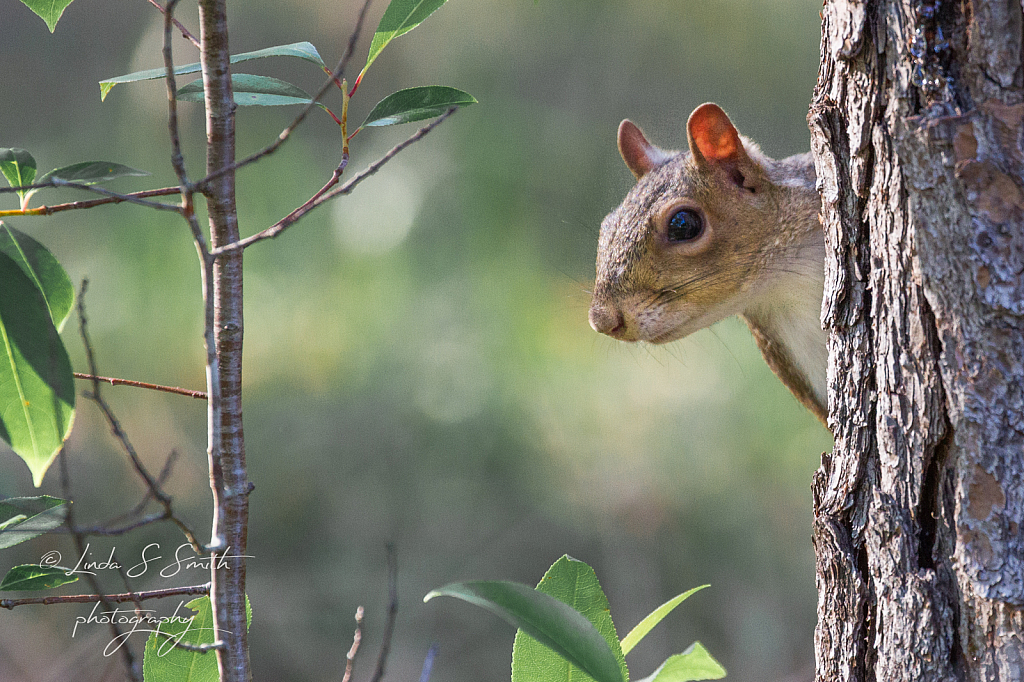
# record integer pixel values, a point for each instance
(566, 630)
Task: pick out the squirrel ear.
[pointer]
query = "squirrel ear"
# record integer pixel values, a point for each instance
(712, 135)
(639, 154)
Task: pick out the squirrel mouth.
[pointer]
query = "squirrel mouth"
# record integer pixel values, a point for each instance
(666, 337)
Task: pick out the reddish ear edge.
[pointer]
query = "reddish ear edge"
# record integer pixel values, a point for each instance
(640, 155)
(712, 135)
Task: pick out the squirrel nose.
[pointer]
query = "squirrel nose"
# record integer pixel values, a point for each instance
(607, 320)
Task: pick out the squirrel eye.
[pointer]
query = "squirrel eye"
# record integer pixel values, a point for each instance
(685, 225)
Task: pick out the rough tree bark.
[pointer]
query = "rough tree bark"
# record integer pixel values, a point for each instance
(916, 129)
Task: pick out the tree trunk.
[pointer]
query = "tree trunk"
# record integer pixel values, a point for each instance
(916, 129)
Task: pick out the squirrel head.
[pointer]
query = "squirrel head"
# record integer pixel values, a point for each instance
(700, 237)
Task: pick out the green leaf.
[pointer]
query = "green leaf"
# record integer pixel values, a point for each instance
(574, 583)
(400, 17)
(91, 172)
(43, 269)
(37, 392)
(23, 518)
(18, 167)
(693, 664)
(303, 50)
(416, 104)
(251, 90)
(48, 10)
(655, 617)
(162, 662)
(33, 577)
(564, 630)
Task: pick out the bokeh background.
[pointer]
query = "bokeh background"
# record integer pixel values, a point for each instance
(419, 367)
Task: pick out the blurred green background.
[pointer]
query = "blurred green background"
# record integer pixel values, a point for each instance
(419, 367)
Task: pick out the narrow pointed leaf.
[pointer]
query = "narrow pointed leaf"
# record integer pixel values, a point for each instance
(23, 518)
(33, 577)
(49, 11)
(251, 90)
(693, 664)
(303, 50)
(162, 662)
(91, 172)
(37, 393)
(655, 617)
(400, 17)
(551, 622)
(416, 104)
(574, 583)
(18, 166)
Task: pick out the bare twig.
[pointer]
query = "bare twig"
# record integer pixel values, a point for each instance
(111, 598)
(57, 208)
(333, 78)
(357, 638)
(69, 520)
(108, 528)
(200, 395)
(326, 193)
(116, 196)
(122, 437)
(187, 206)
(389, 625)
(184, 31)
(106, 531)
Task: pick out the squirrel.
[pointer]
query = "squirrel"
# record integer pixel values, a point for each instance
(717, 231)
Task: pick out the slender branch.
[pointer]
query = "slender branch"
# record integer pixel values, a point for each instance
(111, 598)
(357, 638)
(200, 395)
(181, 27)
(69, 521)
(326, 193)
(122, 437)
(131, 198)
(332, 79)
(106, 529)
(57, 208)
(389, 625)
(186, 188)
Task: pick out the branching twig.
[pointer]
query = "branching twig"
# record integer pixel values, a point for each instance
(69, 520)
(107, 529)
(326, 193)
(357, 638)
(181, 27)
(332, 79)
(116, 197)
(111, 598)
(122, 437)
(57, 208)
(389, 625)
(187, 206)
(200, 395)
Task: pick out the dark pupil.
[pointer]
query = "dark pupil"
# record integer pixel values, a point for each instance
(685, 225)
